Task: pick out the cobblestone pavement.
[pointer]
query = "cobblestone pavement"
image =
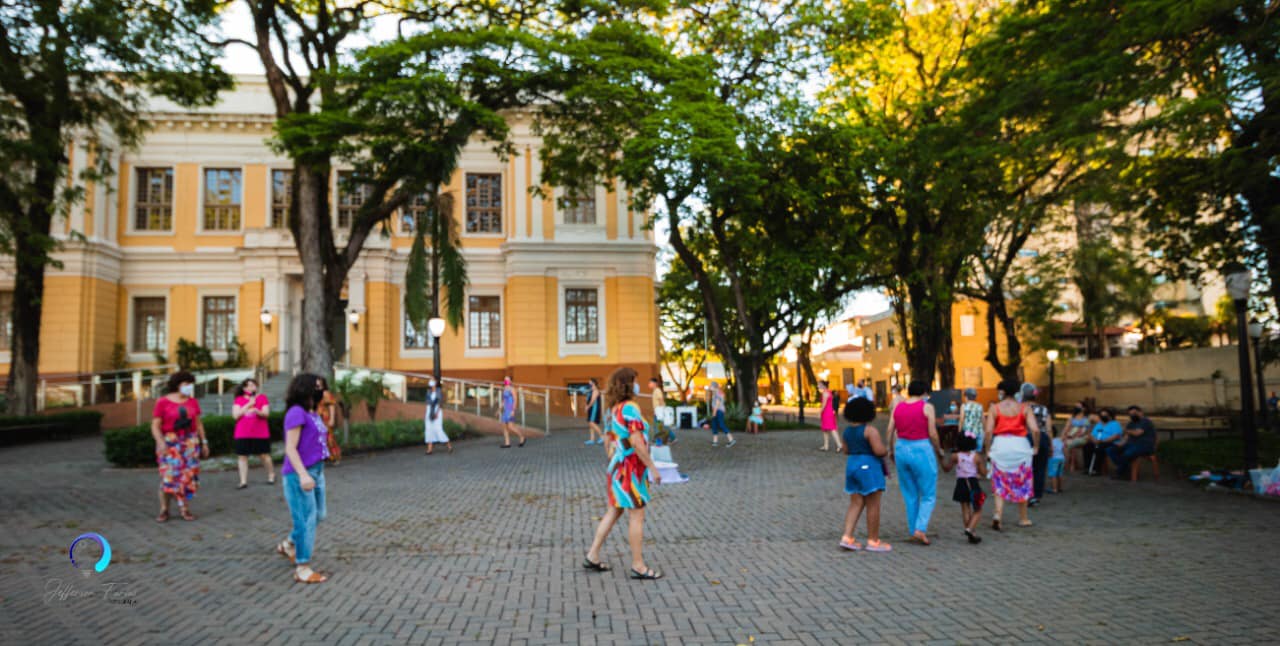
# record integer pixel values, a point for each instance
(484, 546)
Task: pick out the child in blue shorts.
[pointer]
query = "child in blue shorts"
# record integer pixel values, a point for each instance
(1054, 471)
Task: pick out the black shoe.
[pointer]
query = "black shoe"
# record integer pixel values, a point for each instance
(1033, 502)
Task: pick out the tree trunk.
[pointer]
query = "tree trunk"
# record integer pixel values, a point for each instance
(745, 372)
(28, 301)
(930, 331)
(807, 376)
(998, 312)
(311, 188)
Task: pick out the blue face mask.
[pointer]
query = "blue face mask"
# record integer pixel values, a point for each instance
(635, 387)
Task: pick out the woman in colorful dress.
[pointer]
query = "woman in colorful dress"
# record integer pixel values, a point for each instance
(433, 433)
(594, 408)
(180, 443)
(630, 468)
(1009, 453)
(305, 450)
(328, 411)
(509, 415)
(252, 436)
(828, 416)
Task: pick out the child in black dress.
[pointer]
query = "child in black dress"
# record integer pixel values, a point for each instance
(969, 465)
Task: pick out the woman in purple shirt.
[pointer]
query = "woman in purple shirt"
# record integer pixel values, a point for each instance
(305, 450)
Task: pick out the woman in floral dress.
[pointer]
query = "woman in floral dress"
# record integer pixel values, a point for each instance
(1010, 454)
(630, 468)
(180, 443)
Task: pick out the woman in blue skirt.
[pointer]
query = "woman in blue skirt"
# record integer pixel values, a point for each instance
(864, 473)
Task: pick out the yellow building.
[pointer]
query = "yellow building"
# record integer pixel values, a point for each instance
(188, 240)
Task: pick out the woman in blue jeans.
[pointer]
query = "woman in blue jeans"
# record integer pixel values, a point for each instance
(913, 435)
(305, 450)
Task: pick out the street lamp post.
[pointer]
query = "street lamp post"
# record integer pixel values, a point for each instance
(1238, 285)
(1255, 333)
(1052, 355)
(436, 327)
(897, 376)
(795, 343)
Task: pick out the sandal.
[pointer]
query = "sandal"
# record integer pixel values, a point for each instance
(187, 515)
(314, 577)
(646, 576)
(271, 480)
(852, 546)
(1024, 524)
(522, 441)
(920, 538)
(595, 567)
(878, 546)
(163, 517)
(282, 548)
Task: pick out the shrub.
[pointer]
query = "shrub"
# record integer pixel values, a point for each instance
(193, 356)
(57, 425)
(1222, 451)
(134, 447)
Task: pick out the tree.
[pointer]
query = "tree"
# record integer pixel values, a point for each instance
(78, 74)
(694, 111)
(398, 113)
(1176, 101)
(902, 100)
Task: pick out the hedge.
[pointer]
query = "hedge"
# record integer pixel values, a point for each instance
(134, 447)
(37, 428)
(1194, 454)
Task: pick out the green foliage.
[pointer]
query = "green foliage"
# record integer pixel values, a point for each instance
(119, 358)
(80, 422)
(133, 446)
(1178, 331)
(1222, 451)
(193, 356)
(237, 355)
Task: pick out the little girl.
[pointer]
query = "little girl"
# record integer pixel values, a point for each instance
(863, 475)
(756, 421)
(969, 465)
(1056, 463)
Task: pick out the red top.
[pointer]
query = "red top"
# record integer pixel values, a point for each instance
(252, 427)
(170, 413)
(909, 419)
(1016, 425)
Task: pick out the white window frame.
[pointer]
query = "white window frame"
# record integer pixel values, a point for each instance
(200, 230)
(144, 356)
(412, 353)
(266, 221)
(484, 169)
(234, 293)
(485, 353)
(572, 231)
(601, 346)
(131, 214)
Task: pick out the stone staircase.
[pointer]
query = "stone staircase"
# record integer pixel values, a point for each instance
(274, 388)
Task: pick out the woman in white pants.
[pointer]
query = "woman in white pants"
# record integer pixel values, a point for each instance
(434, 423)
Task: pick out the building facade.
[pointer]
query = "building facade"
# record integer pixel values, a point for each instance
(189, 240)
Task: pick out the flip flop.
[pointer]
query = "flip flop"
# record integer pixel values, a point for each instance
(163, 517)
(852, 546)
(646, 576)
(1026, 524)
(595, 567)
(879, 546)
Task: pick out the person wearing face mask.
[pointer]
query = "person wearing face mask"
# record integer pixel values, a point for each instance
(180, 443)
(1105, 433)
(305, 450)
(509, 415)
(252, 437)
(1139, 440)
(434, 433)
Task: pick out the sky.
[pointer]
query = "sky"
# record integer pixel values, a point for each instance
(239, 59)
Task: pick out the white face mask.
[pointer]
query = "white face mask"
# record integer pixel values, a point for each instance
(187, 389)
(431, 384)
(635, 387)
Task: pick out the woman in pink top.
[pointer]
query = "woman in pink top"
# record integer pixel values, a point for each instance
(180, 443)
(252, 436)
(913, 431)
(829, 424)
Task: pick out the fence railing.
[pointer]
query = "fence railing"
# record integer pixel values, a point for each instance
(117, 386)
(538, 406)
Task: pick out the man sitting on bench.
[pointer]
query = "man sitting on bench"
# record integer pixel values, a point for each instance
(1139, 440)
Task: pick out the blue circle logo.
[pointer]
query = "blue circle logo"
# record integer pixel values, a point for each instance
(106, 551)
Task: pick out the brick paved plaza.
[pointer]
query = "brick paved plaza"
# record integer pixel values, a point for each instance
(484, 546)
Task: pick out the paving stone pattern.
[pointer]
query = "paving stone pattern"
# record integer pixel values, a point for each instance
(485, 545)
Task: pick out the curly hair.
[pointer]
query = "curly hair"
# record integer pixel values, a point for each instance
(246, 382)
(302, 392)
(177, 379)
(619, 386)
